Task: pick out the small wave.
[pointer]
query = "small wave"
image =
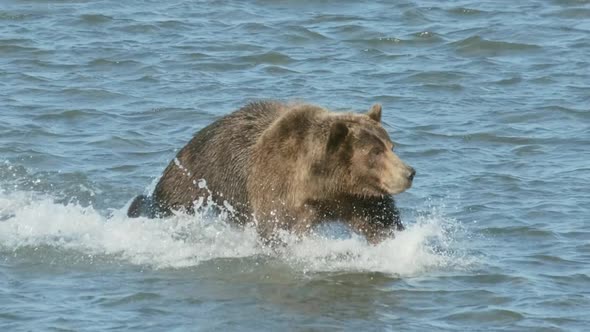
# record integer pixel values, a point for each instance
(31, 223)
(134, 27)
(71, 114)
(112, 63)
(521, 231)
(496, 138)
(570, 111)
(7, 48)
(334, 18)
(417, 15)
(278, 70)
(252, 27)
(569, 3)
(426, 36)
(466, 11)
(487, 315)
(4, 15)
(477, 46)
(415, 39)
(509, 81)
(378, 42)
(300, 34)
(436, 76)
(573, 13)
(92, 93)
(447, 87)
(271, 58)
(120, 141)
(95, 18)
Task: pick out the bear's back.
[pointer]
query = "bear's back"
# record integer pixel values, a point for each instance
(219, 154)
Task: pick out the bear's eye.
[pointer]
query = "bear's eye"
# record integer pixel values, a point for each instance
(376, 151)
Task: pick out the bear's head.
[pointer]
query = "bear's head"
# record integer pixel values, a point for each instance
(360, 154)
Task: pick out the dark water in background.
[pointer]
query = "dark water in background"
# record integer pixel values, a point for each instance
(489, 101)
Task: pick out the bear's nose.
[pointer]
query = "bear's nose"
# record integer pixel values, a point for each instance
(411, 174)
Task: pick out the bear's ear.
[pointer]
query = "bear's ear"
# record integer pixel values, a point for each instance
(375, 112)
(338, 132)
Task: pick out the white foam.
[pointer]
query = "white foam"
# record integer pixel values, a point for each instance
(425, 245)
(183, 241)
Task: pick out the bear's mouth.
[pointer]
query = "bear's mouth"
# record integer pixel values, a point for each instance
(376, 191)
(395, 189)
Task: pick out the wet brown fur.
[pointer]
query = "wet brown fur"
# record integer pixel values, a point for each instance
(290, 166)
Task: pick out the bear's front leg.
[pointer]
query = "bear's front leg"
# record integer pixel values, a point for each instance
(374, 234)
(376, 218)
(298, 221)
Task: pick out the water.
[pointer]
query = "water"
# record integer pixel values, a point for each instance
(488, 101)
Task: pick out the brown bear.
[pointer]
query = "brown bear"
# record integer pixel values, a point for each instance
(288, 166)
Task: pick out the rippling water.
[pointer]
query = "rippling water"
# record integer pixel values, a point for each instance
(489, 101)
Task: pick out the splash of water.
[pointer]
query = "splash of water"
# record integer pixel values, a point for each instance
(29, 221)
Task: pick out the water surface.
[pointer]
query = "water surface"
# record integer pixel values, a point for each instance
(489, 101)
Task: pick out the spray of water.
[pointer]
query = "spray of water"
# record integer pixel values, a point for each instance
(30, 221)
